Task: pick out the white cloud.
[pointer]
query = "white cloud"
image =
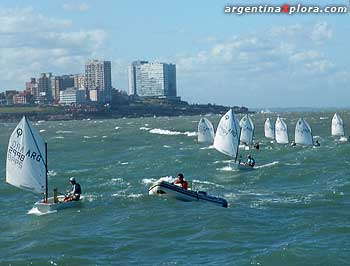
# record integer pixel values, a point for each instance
(321, 32)
(32, 43)
(80, 7)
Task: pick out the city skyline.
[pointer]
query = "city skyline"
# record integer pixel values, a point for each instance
(249, 60)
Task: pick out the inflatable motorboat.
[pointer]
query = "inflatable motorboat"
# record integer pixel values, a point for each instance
(177, 192)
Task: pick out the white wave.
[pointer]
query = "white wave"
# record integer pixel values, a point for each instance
(35, 211)
(207, 148)
(64, 132)
(89, 137)
(172, 133)
(146, 125)
(104, 137)
(267, 165)
(316, 137)
(116, 128)
(323, 117)
(166, 146)
(135, 195)
(144, 128)
(148, 181)
(42, 130)
(52, 173)
(227, 169)
(124, 163)
(58, 137)
(343, 139)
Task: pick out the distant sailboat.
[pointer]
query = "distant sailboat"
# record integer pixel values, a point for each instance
(281, 131)
(303, 133)
(205, 131)
(247, 130)
(269, 129)
(337, 126)
(227, 138)
(26, 166)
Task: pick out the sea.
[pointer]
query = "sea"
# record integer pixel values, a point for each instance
(294, 209)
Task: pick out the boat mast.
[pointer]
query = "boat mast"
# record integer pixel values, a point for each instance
(239, 139)
(47, 183)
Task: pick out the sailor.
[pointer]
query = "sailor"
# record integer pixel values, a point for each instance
(180, 180)
(250, 161)
(257, 146)
(317, 144)
(73, 195)
(293, 143)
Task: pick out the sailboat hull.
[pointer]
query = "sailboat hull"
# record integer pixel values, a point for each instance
(167, 189)
(52, 206)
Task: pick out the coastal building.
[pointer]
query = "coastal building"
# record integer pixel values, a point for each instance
(32, 88)
(72, 96)
(98, 78)
(44, 88)
(79, 81)
(21, 98)
(60, 83)
(152, 79)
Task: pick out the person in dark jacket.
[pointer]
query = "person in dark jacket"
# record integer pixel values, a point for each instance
(73, 195)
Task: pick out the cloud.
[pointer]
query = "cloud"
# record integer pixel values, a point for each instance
(255, 68)
(80, 7)
(32, 43)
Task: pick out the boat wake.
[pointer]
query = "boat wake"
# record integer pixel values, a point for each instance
(149, 181)
(267, 165)
(196, 181)
(35, 211)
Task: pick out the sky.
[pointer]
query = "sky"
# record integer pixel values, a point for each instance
(255, 60)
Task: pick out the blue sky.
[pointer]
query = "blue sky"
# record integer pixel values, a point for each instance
(253, 60)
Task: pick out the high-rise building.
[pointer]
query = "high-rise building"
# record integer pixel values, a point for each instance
(45, 88)
(98, 77)
(32, 88)
(152, 79)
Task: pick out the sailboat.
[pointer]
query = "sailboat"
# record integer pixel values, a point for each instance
(281, 131)
(337, 126)
(227, 138)
(303, 133)
(269, 129)
(205, 131)
(27, 168)
(247, 130)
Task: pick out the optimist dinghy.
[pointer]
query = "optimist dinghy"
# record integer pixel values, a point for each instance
(173, 191)
(26, 166)
(227, 139)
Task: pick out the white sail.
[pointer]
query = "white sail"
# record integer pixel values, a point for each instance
(205, 131)
(227, 135)
(247, 130)
(281, 131)
(269, 129)
(303, 133)
(337, 125)
(25, 165)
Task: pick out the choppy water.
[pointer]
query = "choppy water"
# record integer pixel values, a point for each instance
(293, 210)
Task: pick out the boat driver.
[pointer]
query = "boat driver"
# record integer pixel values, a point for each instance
(250, 161)
(73, 195)
(180, 180)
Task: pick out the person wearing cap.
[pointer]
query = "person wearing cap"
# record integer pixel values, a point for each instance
(250, 161)
(73, 195)
(180, 180)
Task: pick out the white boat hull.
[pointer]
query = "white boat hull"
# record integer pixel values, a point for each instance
(167, 189)
(52, 206)
(243, 167)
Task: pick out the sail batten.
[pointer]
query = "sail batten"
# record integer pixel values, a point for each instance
(26, 165)
(281, 131)
(303, 133)
(269, 129)
(337, 126)
(205, 131)
(227, 135)
(247, 130)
